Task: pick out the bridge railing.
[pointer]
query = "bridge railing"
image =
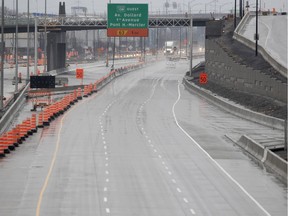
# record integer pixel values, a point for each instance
(160, 20)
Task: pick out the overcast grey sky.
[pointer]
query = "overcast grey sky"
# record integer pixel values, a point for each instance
(99, 6)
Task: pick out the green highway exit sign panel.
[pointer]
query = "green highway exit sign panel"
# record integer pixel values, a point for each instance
(127, 20)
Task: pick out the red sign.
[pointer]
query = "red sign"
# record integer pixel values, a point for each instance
(79, 73)
(122, 32)
(203, 79)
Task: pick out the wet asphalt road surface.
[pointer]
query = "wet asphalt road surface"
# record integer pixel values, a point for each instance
(143, 145)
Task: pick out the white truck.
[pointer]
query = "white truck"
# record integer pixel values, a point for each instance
(171, 47)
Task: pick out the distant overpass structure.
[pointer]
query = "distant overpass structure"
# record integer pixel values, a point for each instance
(78, 23)
(57, 26)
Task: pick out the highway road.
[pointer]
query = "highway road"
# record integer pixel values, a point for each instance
(143, 145)
(272, 35)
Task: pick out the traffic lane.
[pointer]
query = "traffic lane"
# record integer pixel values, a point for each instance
(73, 185)
(136, 183)
(202, 183)
(23, 171)
(209, 125)
(236, 154)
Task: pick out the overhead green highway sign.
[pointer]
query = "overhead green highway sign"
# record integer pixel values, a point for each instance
(127, 20)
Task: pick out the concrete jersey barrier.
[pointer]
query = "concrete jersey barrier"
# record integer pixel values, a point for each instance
(259, 118)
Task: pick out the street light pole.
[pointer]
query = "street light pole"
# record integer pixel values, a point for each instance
(45, 38)
(35, 47)
(28, 42)
(107, 48)
(191, 45)
(157, 42)
(2, 58)
(16, 50)
(235, 5)
(256, 35)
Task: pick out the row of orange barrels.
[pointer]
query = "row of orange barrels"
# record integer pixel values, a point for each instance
(13, 138)
(18, 134)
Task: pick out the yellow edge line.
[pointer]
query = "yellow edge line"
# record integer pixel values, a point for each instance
(43, 189)
(50, 170)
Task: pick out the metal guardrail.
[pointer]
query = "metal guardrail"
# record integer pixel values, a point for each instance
(13, 109)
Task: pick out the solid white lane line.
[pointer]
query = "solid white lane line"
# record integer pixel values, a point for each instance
(214, 161)
(185, 200)
(192, 211)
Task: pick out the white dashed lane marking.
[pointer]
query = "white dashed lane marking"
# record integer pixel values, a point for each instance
(192, 211)
(145, 134)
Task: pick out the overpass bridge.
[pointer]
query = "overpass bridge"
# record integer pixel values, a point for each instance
(56, 26)
(78, 23)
